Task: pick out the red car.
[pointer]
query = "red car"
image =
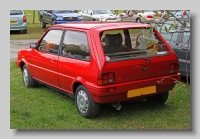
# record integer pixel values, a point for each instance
(101, 63)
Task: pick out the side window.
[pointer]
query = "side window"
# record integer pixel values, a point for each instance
(75, 45)
(85, 11)
(51, 41)
(89, 12)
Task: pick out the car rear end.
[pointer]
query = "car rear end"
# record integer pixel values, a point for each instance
(18, 20)
(144, 66)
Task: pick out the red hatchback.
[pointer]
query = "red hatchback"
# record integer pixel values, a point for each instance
(101, 63)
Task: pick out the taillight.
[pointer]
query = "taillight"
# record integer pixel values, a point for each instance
(106, 78)
(149, 16)
(174, 68)
(24, 18)
(184, 13)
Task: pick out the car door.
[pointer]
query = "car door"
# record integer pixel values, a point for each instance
(84, 15)
(74, 59)
(45, 58)
(89, 15)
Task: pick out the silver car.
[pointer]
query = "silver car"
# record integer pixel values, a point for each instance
(99, 15)
(18, 21)
(143, 16)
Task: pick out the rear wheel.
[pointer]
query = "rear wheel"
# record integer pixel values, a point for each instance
(160, 98)
(85, 104)
(27, 79)
(53, 22)
(24, 31)
(138, 20)
(42, 23)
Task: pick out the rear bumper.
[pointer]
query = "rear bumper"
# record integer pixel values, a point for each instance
(162, 84)
(18, 27)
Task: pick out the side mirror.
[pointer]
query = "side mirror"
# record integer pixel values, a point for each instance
(33, 45)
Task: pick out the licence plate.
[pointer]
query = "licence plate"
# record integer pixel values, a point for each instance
(157, 16)
(13, 22)
(141, 91)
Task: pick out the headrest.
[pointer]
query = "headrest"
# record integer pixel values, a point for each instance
(113, 39)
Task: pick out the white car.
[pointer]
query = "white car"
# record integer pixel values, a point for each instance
(99, 15)
(140, 16)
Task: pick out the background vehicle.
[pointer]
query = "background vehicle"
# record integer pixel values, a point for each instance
(58, 16)
(18, 21)
(179, 40)
(140, 16)
(97, 15)
(101, 63)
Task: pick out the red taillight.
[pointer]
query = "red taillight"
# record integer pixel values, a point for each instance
(106, 78)
(174, 68)
(184, 13)
(149, 16)
(24, 18)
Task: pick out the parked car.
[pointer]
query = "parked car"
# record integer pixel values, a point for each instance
(179, 14)
(99, 15)
(18, 21)
(140, 16)
(58, 16)
(179, 40)
(101, 63)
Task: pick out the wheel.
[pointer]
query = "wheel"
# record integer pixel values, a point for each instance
(27, 79)
(85, 104)
(53, 22)
(160, 98)
(138, 20)
(42, 23)
(24, 31)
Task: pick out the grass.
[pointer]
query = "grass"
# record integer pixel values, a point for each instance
(44, 108)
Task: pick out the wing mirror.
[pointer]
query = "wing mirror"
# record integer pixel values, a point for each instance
(33, 45)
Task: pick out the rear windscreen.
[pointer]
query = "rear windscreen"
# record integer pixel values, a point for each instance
(16, 12)
(131, 44)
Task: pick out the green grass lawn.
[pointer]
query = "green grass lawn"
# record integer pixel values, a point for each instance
(44, 108)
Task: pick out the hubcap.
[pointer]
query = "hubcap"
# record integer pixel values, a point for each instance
(25, 77)
(82, 101)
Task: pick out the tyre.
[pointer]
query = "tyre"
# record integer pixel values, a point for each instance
(42, 23)
(138, 20)
(53, 22)
(24, 31)
(160, 98)
(28, 81)
(85, 104)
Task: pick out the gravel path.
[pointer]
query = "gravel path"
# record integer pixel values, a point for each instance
(16, 45)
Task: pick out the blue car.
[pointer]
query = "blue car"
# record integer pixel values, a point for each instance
(58, 16)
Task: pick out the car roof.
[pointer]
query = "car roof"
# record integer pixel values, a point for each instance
(100, 25)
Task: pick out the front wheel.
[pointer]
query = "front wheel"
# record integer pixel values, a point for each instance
(160, 98)
(27, 79)
(85, 104)
(138, 20)
(42, 23)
